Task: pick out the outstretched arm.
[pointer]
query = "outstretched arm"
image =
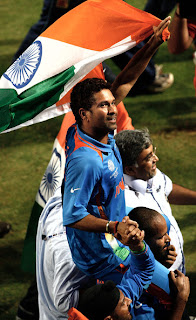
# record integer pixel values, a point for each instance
(180, 39)
(180, 195)
(129, 75)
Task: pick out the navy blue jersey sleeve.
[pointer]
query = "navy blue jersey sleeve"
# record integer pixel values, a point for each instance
(139, 275)
(81, 176)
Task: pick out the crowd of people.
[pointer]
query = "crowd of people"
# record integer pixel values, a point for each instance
(108, 230)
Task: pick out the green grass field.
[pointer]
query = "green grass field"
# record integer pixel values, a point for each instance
(170, 117)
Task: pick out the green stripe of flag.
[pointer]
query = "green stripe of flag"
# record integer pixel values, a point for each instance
(16, 109)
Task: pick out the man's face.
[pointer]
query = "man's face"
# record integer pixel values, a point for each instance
(102, 115)
(121, 311)
(160, 239)
(146, 164)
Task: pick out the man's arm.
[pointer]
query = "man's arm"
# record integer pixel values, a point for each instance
(91, 223)
(182, 290)
(180, 39)
(141, 269)
(180, 195)
(81, 178)
(129, 75)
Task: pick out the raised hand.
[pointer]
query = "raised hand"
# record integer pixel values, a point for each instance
(158, 31)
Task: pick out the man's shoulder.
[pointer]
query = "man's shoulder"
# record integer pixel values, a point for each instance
(87, 155)
(160, 176)
(85, 160)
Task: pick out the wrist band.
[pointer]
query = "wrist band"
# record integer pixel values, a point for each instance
(107, 227)
(137, 252)
(116, 226)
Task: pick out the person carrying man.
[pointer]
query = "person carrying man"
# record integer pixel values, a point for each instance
(59, 281)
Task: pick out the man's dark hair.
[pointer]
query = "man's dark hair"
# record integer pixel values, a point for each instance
(131, 143)
(82, 95)
(144, 217)
(99, 301)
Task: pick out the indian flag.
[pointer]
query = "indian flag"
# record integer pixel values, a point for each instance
(36, 86)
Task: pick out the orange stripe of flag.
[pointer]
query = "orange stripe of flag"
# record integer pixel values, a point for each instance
(99, 24)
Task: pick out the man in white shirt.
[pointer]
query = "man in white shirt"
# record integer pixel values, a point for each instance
(58, 278)
(147, 186)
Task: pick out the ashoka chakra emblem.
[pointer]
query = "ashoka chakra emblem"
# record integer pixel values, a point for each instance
(22, 71)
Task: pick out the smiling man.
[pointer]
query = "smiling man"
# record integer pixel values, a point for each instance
(93, 173)
(93, 201)
(147, 186)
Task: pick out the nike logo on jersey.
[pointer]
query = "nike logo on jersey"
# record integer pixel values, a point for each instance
(73, 190)
(138, 306)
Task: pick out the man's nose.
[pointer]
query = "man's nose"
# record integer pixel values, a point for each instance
(112, 108)
(168, 239)
(128, 301)
(155, 158)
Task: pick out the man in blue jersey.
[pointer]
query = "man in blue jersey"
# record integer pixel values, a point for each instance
(93, 201)
(110, 302)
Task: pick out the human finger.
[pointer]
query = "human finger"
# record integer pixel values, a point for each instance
(138, 237)
(170, 260)
(173, 276)
(132, 222)
(164, 23)
(126, 218)
(172, 253)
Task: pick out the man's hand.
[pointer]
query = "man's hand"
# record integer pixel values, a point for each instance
(171, 256)
(157, 38)
(181, 285)
(129, 234)
(138, 63)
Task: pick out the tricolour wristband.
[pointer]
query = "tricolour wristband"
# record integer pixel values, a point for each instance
(138, 252)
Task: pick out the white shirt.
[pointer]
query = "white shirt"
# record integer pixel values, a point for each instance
(153, 194)
(58, 278)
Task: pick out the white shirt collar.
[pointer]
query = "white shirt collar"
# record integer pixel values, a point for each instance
(137, 184)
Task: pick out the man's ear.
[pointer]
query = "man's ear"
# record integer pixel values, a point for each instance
(108, 318)
(83, 113)
(130, 170)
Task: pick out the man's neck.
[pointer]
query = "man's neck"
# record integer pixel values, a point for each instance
(99, 137)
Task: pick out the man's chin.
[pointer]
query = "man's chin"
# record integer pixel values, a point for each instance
(112, 128)
(153, 173)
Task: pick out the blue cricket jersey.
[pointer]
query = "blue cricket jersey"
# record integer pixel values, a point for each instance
(93, 184)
